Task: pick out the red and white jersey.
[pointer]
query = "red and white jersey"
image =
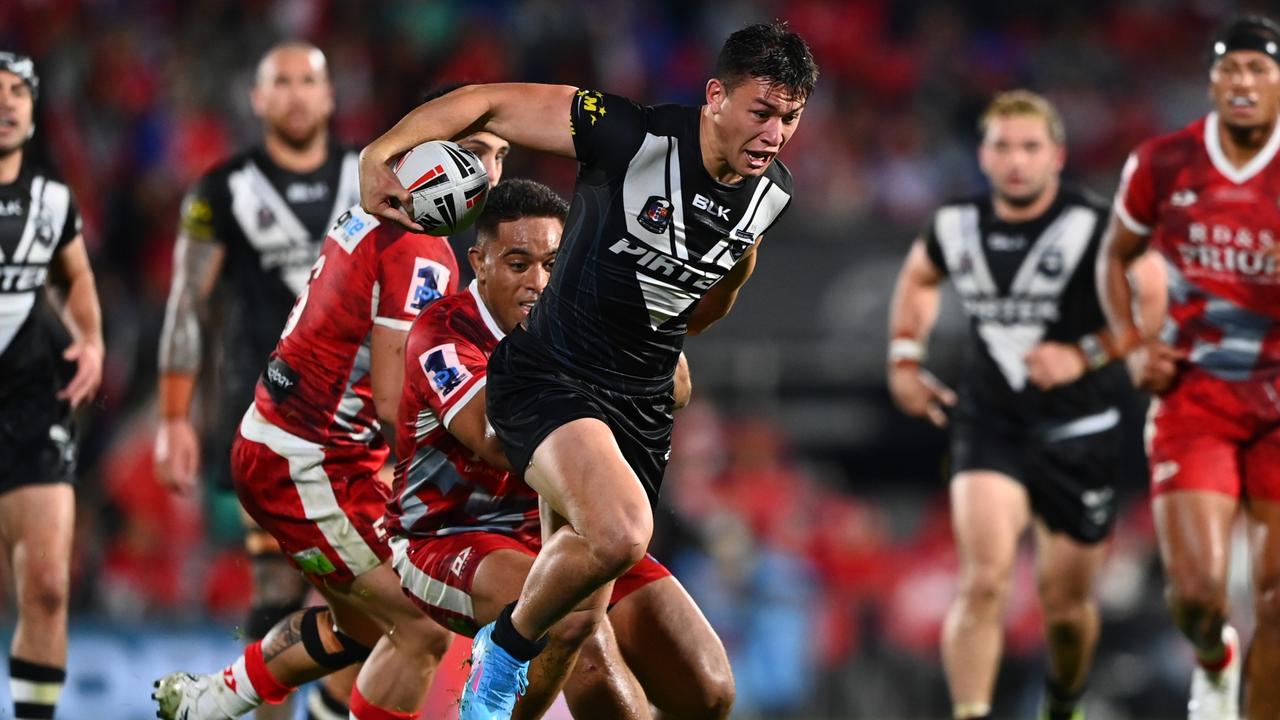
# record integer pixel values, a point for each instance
(1215, 225)
(441, 487)
(316, 385)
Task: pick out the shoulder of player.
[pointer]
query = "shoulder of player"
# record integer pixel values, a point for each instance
(1174, 147)
(451, 319)
(780, 174)
(214, 180)
(1079, 196)
(51, 177)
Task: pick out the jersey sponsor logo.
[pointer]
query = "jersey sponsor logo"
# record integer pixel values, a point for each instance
(1221, 248)
(1006, 243)
(1183, 198)
(656, 215)
(197, 218)
(10, 208)
(443, 370)
(720, 212)
(280, 380)
(303, 192)
(427, 285)
(312, 561)
(1017, 310)
(351, 227)
(670, 269)
(590, 105)
(22, 278)
(1163, 471)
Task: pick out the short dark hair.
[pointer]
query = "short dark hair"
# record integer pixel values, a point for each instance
(1247, 32)
(772, 53)
(514, 199)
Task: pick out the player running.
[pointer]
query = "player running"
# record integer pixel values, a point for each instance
(249, 232)
(464, 528)
(1205, 199)
(305, 463)
(50, 363)
(668, 211)
(1035, 429)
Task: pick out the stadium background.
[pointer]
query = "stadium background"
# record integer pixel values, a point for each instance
(805, 515)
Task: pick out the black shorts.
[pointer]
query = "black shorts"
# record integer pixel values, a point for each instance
(1070, 470)
(528, 397)
(37, 441)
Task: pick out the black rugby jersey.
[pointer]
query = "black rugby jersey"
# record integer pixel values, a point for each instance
(649, 232)
(38, 217)
(271, 223)
(1022, 283)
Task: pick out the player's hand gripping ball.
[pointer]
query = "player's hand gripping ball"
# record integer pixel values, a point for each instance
(448, 184)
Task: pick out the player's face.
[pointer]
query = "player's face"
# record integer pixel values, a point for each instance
(16, 107)
(1245, 88)
(514, 267)
(753, 122)
(492, 151)
(1020, 158)
(293, 95)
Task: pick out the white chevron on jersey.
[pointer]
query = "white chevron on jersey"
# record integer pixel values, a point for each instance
(1045, 272)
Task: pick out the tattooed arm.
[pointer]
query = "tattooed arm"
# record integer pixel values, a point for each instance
(197, 260)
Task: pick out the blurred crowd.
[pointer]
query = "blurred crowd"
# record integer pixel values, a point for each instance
(812, 585)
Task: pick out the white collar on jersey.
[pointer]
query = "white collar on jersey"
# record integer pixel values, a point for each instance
(474, 289)
(1240, 175)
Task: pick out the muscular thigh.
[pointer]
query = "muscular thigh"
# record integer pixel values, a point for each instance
(989, 511)
(1260, 467)
(668, 644)
(36, 524)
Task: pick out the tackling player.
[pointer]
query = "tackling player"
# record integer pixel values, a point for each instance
(305, 463)
(669, 208)
(1205, 198)
(464, 528)
(249, 232)
(50, 363)
(1035, 429)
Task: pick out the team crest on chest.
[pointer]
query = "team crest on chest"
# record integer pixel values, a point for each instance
(656, 215)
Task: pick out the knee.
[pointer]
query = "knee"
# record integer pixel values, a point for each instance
(1066, 605)
(424, 637)
(983, 588)
(45, 593)
(717, 693)
(619, 542)
(1194, 594)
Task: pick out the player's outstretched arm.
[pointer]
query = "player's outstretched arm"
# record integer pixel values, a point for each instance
(912, 313)
(196, 264)
(83, 317)
(531, 115)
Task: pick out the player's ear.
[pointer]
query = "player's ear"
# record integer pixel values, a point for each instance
(715, 94)
(476, 258)
(257, 101)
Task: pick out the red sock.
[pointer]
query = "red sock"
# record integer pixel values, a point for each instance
(267, 686)
(1216, 667)
(362, 709)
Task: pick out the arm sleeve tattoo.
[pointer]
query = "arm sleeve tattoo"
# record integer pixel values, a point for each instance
(195, 267)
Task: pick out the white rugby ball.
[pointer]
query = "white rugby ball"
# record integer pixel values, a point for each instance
(448, 184)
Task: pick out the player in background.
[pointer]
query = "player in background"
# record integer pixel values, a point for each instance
(250, 229)
(669, 207)
(464, 528)
(1204, 199)
(50, 363)
(1035, 428)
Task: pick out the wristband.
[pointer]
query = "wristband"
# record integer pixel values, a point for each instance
(905, 351)
(1095, 353)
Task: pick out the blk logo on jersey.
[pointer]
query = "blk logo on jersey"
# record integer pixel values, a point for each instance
(720, 212)
(443, 370)
(1051, 263)
(10, 208)
(430, 279)
(656, 215)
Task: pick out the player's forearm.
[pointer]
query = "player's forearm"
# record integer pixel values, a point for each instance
(195, 266)
(1115, 293)
(531, 115)
(1147, 278)
(82, 313)
(174, 395)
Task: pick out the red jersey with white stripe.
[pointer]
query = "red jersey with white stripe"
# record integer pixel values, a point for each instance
(1215, 225)
(441, 487)
(316, 385)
